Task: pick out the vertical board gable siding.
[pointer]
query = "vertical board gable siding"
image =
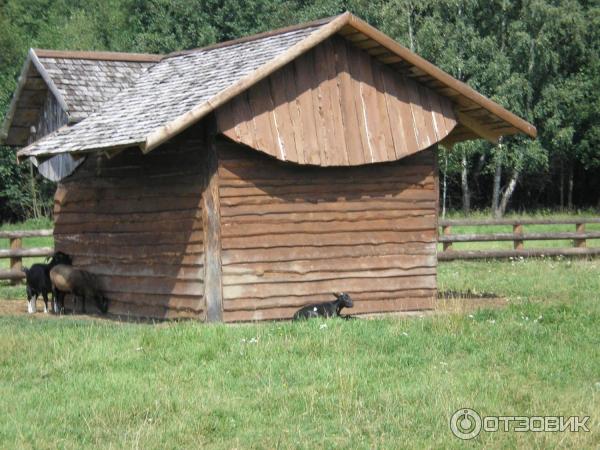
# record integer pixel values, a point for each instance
(51, 117)
(292, 235)
(136, 221)
(337, 106)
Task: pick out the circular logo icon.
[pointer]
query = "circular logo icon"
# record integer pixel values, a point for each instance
(465, 423)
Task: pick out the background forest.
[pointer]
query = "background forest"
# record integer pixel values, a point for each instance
(538, 58)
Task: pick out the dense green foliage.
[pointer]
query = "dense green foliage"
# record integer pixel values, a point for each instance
(538, 58)
(385, 383)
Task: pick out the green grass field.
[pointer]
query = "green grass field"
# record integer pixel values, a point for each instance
(384, 383)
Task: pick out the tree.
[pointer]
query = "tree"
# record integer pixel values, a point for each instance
(537, 58)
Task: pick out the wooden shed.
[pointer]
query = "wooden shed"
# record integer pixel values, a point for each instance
(274, 169)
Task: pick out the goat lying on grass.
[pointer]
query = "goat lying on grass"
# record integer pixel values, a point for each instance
(38, 282)
(79, 283)
(327, 310)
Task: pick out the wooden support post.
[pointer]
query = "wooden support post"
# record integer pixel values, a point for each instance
(579, 243)
(447, 230)
(16, 262)
(211, 224)
(518, 243)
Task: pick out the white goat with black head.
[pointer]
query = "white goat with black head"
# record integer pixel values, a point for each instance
(327, 309)
(38, 281)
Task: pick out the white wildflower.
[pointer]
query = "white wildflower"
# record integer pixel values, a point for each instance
(323, 325)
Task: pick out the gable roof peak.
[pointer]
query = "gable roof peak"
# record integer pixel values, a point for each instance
(262, 35)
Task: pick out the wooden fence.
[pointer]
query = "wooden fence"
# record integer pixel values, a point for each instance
(16, 252)
(518, 237)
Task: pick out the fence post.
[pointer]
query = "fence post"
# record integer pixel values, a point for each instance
(518, 243)
(447, 230)
(15, 261)
(579, 243)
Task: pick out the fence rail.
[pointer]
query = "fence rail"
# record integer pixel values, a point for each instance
(16, 252)
(518, 237)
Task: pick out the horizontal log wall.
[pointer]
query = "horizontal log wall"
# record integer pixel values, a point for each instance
(292, 235)
(136, 221)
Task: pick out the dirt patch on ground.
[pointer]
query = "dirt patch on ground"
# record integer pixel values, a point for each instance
(464, 305)
(19, 308)
(451, 302)
(468, 301)
(14, 307)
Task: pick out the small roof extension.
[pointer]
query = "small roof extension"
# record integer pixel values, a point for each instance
(80, 82)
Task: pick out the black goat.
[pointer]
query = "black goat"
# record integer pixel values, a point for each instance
(38, 281)
(80, 283)
(327, 310)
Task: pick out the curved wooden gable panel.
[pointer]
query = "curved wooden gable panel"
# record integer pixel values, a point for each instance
(337, 106)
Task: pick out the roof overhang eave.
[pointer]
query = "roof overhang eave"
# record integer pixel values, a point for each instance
(109, 152)
(443, 77)
(6, 124)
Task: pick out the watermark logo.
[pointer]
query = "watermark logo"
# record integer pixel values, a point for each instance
(467, 424)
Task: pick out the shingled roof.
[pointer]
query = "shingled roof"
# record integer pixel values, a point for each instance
(184, 87)
(79, 81)
(167, 91)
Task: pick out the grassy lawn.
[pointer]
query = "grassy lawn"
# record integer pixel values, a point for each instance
(384, 383)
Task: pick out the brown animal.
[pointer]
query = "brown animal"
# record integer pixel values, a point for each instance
(80, 283)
